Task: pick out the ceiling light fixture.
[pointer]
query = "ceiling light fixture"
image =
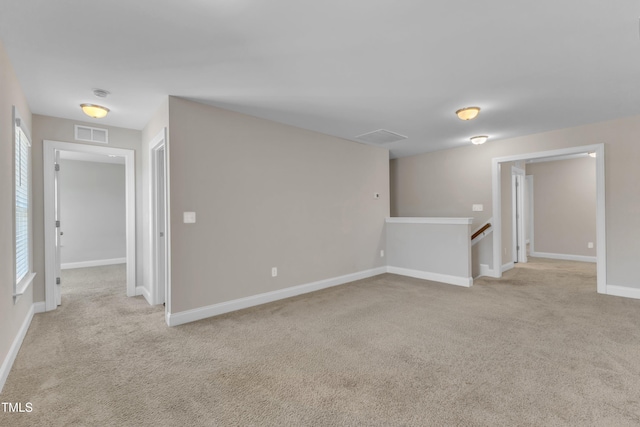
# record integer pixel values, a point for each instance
(468, 113)
(95, 111)
(480, 139)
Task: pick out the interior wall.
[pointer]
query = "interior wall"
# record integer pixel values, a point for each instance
(12, 315)
(267, 195)
(92, 211)
(564, 203)
(507, 208)
(447, 183)
(57, 129)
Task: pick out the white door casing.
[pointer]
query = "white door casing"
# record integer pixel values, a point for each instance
(159, 231)
(52, 261)
(601, 236)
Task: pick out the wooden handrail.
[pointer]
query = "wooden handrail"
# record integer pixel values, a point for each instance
(482, 230)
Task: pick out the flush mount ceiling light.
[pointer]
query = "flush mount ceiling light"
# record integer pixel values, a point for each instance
(480, 139)
(95, 111)
(468, 113)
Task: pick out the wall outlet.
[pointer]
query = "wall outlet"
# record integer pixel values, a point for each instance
(382, 253)
(590, 245)
(477, 208)
(376, 195)
(274, 271)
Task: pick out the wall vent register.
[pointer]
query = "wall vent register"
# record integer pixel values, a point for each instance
(91, 134)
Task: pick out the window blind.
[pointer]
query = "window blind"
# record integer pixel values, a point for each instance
(22, 148)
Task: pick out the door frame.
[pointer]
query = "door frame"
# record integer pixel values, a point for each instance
(517, 207)
(48, 168)
(601, 236)
(159, 294)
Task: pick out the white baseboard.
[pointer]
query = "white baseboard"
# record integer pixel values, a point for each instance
(623, 291)
(141, 290)
(94, 263)
(39, 307)
(485, 271)
(508, 266)
(435, 277)
(7, 363)
(565, 257)
(182, 317)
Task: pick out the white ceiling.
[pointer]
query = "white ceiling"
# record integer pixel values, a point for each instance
(343, 67)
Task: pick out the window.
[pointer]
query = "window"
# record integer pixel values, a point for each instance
(22, 191)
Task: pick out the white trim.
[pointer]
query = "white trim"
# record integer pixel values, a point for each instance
(142, 290)
(94, 263)
(39, 307)
(485, 271)
(566, 257)
(508, 266)
(182, 317)
(426, 220)
(7, 363)
(601, 232)
(49, 149)
(623, 291)
(434, 277)
(158, 295)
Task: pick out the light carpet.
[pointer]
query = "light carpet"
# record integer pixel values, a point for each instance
(537, 348)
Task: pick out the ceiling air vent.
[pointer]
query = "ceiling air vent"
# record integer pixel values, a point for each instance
(380, 136)
(86, 133)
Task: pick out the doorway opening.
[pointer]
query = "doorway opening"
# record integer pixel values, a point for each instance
(497, 165)
(53, 221)
(159, 230)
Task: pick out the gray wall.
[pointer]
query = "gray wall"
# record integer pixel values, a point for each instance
(267, 195)
(11, 315)
(433, 248)
(447, 183)
(564, 204)
(92, 211)
(57, 129)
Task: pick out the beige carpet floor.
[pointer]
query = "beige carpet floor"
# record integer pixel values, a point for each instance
(537, 348)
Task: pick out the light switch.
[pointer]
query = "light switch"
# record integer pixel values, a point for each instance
(189, 217)
(477, 208)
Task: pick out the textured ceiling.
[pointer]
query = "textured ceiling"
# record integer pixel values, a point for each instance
(343, 68)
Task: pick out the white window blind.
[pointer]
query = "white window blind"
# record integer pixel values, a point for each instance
(22, 164)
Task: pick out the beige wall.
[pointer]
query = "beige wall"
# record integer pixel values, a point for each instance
(506, 174)
(564, 194)
(12, 315)
(267, 195)
(57, 129)
(447, 183)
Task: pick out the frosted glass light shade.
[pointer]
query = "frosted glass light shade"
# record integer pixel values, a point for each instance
(95, 111)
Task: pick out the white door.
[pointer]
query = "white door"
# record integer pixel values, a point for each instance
(58, 230)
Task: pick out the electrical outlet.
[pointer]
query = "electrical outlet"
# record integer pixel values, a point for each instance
(274, 271)
(382, 253)
(590, 245)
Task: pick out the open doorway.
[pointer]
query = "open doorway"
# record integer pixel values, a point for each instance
(499, 214)
(159, 230)
(54, 230)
